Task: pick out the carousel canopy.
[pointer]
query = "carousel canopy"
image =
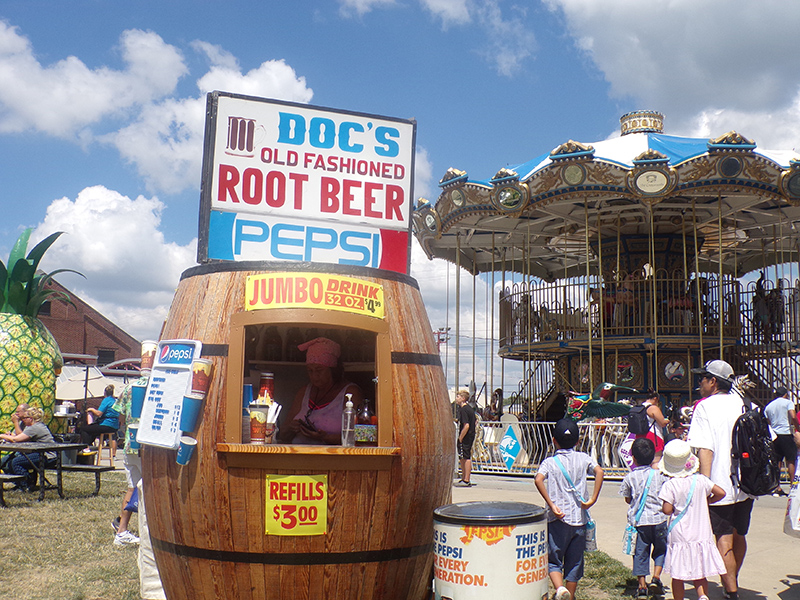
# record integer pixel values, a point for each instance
(642, 198)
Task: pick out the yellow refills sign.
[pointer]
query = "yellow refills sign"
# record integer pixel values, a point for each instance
(297, 505)
(314, 290)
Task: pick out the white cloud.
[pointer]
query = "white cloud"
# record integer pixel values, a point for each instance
(509, 42)
(63, 98)
(165, 143)
(361, 7)
(455, 12)
(424, 184)
(699, 62)
(115, 241)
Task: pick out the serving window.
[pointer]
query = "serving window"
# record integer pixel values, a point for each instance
(267, 340)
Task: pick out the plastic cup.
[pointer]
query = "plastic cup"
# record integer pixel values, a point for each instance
(133, 430)
(201, 376)
(137, 400)
(186, 449)
(149, 348)
(258, 423)
(190, 411)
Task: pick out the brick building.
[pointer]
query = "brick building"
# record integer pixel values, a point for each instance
(80, 329)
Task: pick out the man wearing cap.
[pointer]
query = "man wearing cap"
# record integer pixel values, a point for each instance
(710, 433)
(783, 419)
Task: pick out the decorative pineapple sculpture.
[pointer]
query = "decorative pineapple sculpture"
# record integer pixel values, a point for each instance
(30, 359)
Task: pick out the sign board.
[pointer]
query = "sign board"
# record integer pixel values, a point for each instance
(509, 447)
(169, 380)
(314, 290)
(297, 505)
(293, 182)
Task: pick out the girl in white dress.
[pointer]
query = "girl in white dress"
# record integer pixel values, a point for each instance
(692, 553)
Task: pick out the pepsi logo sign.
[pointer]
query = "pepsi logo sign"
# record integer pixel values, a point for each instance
(176, 354)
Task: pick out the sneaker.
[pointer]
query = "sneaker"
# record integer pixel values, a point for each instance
(461, 483)
(730, 595)
(656, 588)
(641, 594)
(125, 538)
(562, 593)
(115, 524)
(778, 493)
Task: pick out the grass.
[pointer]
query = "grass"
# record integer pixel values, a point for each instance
(606, 575)
(62, 549)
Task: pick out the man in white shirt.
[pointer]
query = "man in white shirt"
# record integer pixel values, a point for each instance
(783, 419)
(710, 433)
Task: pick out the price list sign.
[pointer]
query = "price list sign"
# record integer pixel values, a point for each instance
(169, 380)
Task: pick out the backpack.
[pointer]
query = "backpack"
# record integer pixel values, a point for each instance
(637, 420)
(754, 463)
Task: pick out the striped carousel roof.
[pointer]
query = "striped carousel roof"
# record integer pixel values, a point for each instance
(536, 214)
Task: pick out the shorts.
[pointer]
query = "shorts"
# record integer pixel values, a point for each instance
(785, 448)
(465, 448)
(566, 544)
(729, 517)
(133, 469)
(649, 535)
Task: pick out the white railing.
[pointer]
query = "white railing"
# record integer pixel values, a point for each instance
(600, 440)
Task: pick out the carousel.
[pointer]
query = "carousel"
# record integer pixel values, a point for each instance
(633, 260)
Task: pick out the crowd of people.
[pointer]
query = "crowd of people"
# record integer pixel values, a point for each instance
(690, 516)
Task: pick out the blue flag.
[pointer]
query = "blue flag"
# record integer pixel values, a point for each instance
(510, 447)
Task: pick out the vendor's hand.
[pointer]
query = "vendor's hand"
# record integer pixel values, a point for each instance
(313, 434)
(289, 430)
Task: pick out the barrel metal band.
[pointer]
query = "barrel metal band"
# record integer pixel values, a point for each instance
(292, 558)
(214, 350)
(416, 358)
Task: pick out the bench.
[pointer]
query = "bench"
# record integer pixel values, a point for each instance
(10, 478)
(96, 469)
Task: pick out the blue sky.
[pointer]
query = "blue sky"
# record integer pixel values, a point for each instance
(101, 103)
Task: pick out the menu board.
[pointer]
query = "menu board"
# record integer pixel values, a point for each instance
(163, 401)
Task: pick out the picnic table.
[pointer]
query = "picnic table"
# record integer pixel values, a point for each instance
(41, 448)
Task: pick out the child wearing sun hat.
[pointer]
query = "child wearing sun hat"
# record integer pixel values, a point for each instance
(692, 553)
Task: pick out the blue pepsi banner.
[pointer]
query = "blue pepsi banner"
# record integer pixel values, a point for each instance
(293, 182)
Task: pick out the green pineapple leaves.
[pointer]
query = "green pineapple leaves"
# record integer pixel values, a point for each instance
(22, 291)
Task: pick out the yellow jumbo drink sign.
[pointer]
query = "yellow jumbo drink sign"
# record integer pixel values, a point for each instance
(297, 504)
(314, 290)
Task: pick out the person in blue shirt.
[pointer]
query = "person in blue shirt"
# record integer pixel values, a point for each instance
(106, 419)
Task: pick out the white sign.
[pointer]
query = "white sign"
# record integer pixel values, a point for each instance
(285, 181)
(163, 401)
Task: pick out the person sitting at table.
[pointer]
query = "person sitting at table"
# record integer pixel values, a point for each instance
(22, 464)
(315, 416)
(106, 419)
(19, 425)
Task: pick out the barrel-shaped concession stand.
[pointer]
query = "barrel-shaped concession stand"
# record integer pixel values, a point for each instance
(208, 520)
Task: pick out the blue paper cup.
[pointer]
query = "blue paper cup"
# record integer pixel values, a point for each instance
(247, 395)
(133, 430)
(137, 400)
(186, 450)
(190, 411)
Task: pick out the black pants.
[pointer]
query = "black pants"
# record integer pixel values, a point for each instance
(89, 433)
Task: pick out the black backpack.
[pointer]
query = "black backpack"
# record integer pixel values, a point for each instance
(637, 420)
(754, 463)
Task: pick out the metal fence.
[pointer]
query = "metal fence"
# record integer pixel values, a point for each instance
(600, 440)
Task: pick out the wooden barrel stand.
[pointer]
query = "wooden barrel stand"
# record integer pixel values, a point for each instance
(207, 519)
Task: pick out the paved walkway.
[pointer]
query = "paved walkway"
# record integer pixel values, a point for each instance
(771, 570)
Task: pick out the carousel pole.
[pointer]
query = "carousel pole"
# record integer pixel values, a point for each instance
(698, 307)
(502, 361)
(491, 297)
(458, 308)
(719, 284)
(602, 301)
(588, 271)
(474, 285)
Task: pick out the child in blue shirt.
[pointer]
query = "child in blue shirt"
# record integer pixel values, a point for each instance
(566, 508)
(651, 527)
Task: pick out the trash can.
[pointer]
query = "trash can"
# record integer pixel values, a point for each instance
(490, 550)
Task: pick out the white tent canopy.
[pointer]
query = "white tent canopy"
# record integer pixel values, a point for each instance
(78, 382)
